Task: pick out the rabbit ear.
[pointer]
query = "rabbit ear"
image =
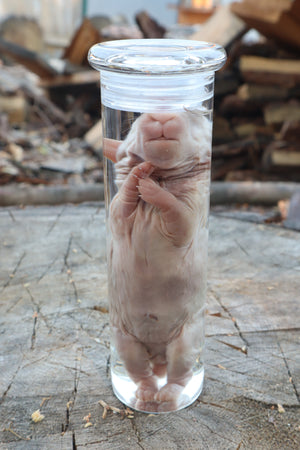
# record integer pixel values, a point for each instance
(110, 149)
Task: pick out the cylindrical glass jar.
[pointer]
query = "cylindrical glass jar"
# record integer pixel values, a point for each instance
(157, 101)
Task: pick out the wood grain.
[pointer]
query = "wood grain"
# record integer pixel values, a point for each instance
(54, 339)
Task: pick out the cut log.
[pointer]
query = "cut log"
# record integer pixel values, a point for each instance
(245, 129)
(117, 32)
(249, 175)
(94, 137)
(280, 154)
(263, 193)
(24, 32)
(221, 167)
(278, 113)
(278, 19)
(149, 27)
(86, 36)
(232, 105)
(222, 131)
(235, 148)
(263, 48)
(260, 93)
(34, 62)
(14, 106)
(268, 71)
(234, 156)
(260, 193)
(267, 10)
(81, 87)
(79, 79)
(222, 28)
(50, 195)
(290, 131)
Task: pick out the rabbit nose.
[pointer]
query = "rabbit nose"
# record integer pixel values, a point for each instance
(162, 117)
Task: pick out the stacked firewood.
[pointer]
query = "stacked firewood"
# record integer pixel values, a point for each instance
(257, 109)
(257, 114)
(49, 130)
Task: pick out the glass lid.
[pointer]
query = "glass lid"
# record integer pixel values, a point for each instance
(157, 56)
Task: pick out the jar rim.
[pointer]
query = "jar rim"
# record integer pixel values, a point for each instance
(157, 56)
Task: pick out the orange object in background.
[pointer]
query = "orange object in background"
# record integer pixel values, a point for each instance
(203, 4)
(191, 12)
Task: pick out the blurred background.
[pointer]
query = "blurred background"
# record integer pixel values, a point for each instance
(50, 120)
(59, 18)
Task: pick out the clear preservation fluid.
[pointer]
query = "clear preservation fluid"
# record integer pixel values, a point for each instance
(157, 253)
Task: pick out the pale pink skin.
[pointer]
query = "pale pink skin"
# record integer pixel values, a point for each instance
(157, 261)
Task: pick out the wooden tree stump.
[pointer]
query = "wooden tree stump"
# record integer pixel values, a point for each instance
(54, 339)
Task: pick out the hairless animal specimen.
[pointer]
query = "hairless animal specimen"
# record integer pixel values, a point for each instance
(157, 258)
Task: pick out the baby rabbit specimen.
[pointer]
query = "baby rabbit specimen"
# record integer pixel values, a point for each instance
(157, 254)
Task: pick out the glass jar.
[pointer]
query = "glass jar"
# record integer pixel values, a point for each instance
(157, 103)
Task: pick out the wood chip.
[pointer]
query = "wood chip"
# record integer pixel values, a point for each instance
(280, 408)
(36, 416)
(87, 418)
(217, 314)
(114, 409)
(235, 347)
(101, 309)
(104, 413)
(122, 412)
(44, 400)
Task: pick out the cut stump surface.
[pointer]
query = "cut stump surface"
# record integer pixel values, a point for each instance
(54, 339)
